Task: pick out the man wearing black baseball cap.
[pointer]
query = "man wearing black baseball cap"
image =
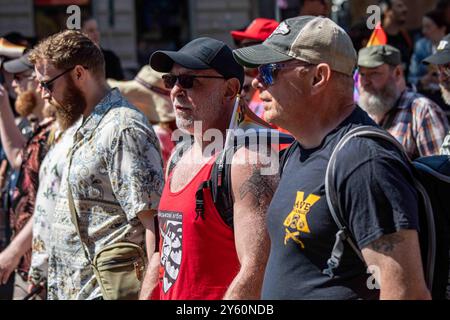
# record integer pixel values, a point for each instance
(441, 58)
(208, 252)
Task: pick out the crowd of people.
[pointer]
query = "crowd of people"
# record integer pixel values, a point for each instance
(100, 200)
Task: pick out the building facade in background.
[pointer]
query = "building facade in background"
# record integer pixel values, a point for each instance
(133, 29)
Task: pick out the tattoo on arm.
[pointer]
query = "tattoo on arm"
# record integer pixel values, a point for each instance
(261, 187)
(386, 243)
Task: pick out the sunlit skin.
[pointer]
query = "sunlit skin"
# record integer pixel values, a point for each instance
(46, 71)
(373, 80)
(204, 102)
(22, 82)
(279, 104)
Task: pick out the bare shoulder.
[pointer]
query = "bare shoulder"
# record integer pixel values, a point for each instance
(254, 176)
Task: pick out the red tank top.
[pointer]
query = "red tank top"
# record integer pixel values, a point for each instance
(198, 255)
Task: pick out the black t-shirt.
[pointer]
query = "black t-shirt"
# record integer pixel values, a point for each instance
(375, 191)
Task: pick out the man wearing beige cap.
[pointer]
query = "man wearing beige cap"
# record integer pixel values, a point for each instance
(305, 78)
(415, 121)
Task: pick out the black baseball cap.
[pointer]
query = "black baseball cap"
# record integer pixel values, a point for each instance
(18, 65)
(442, 55)
(200, 54)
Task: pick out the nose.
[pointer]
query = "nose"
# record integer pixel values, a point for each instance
(44, 93)
(257, 84)
(14, 83)
(176, 90)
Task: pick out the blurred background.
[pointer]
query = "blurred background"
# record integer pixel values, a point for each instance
(133, 29)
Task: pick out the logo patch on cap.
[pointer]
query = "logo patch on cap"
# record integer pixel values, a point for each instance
(442, 45)
(282, 29)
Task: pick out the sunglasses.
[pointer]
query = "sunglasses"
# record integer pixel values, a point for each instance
(48, 85)
(186, 81)
(268, 72)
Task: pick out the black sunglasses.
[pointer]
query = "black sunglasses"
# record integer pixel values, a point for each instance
(186, 81)
(48, 85)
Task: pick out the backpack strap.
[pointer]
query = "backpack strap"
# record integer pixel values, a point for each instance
(336, 211)
(332, 196)
(219, 183)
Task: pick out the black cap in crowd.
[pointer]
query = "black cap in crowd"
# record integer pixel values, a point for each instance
(200, 54)
(442, 55)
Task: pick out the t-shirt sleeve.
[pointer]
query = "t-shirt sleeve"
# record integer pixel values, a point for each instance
(375, 191)
(135, 170)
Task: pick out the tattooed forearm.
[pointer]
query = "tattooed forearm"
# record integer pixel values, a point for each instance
(386, 243)
(261, 187)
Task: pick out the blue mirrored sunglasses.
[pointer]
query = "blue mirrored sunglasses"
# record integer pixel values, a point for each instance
(267, 72)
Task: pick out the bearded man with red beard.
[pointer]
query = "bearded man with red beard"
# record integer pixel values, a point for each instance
(111, 185)
(25, 155)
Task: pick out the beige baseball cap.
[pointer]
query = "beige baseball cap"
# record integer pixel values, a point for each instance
(147, 92)
(311, 39)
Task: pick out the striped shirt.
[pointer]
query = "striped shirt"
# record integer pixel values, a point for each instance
(418, 123)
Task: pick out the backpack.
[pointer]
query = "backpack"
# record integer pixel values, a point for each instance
(431, 176)
(219, 183)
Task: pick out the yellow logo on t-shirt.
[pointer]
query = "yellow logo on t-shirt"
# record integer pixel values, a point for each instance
(296, 221)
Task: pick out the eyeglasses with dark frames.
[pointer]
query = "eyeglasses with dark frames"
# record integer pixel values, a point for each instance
(186, 81)
(48, 85)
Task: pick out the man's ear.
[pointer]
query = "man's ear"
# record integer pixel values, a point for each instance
(232, 88)
(79, 73)
(321, 78)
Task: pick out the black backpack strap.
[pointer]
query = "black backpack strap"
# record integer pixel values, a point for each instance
(220, 185)
(336, 211)
(332, 197)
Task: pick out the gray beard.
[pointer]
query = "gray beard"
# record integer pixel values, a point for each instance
(445, 90)
(377, 105)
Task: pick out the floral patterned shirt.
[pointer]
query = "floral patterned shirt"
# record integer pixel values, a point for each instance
(115, 173)
(49, 180)
(24, 194)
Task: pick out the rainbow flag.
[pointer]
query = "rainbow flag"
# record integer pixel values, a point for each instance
(378, 36)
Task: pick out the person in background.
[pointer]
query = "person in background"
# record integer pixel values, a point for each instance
(26, 156)
(315, 8)
(441, 59)
(444, 7)
(113, 67)
(256, 32)
(393, 22)
(415, 121)
(434, 28)
(147, 92)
